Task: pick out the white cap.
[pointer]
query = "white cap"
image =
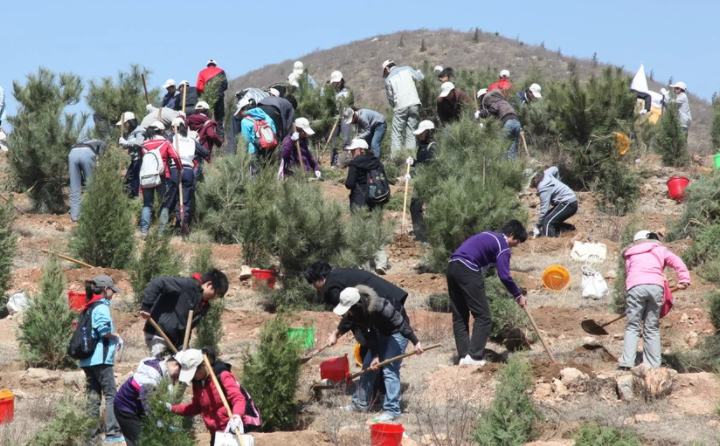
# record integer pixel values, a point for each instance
(211, 62)
(504, 73)
(298, 67)
(293, 79)
(178, 122)
(348, 115)
(304, 125)
(386, 63)
(348, 298)
(158, 125)
(423, 126)
(244, 102)
(535, 90)
(481, 92)
(274, 92)
(125, 118)
(184, 83)
(336, 76)
(169, 83)
(641, 235)
(437, 68)
(680, 85)
(446, 88)
(357, 143)
(189, 361)
(202, 105)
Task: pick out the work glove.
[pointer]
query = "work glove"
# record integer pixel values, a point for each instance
(168, 406)
(410, 161)
(318, 174)
(122, 141)
(295, 136)
(642, 111)
(119, 343)
(149, 107)
(407, 177)
(235, 423)
(536, 232)
(477, 115)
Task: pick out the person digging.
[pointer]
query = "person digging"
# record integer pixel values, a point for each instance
(386, 330)
(552, 191)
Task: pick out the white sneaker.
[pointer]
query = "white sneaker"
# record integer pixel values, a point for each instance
(467, 360)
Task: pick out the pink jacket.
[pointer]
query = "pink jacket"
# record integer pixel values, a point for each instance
(645, 263)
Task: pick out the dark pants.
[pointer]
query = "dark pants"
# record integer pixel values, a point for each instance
(552, 224)
(467, 296)
(130, 425)
(261, 159)
(219, 115)
(418, 219)
(132, 178)
(100, 380)
(188, 189)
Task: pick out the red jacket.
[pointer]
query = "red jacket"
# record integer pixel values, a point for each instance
(167, 152)
(503, 84)
(206, 400)
(204, 76)
(206, 130)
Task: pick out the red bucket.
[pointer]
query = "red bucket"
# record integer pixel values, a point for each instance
(7, 406)
(268, 276)
(676, 188)
(336, 369)
(77, 301)
(382, 434)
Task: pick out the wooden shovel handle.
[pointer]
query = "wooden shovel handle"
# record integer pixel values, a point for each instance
(396, 358)
(162, 333)
(147, 96)
(188, 329)
(69, 259)
(407, 186)
(297, 146)
(535, 327)
(210, 370)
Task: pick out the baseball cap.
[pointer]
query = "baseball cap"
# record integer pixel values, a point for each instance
(304, 124)
(641, 235)
(387, 62)
(481, 92)
(189, 361)
(504, 73)
(127, 116)
(424, 125)
(348, 115)
(680, 85)
(273, 92)
(178, 122)
(298, 67)
(446, 88)
(158, 125)
(244, 102)
(438, 68)
(535, 90)
(357, 143)
(348, 297)
(169, 83)
(211, 62)
(202, 105)
(104, 281)
(336, 76)
(184, 83)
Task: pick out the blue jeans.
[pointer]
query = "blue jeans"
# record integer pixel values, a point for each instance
(82, 164)
(387, 347)
(148, 202)
(511, 130)
(376, 137)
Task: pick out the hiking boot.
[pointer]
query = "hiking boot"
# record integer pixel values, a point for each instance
(467, 360)
(352, 408)
(385, 418)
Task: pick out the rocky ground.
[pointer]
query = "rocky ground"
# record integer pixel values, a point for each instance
(440, 400)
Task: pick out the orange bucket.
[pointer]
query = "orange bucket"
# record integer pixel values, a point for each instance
(556, 278)
(7, 406)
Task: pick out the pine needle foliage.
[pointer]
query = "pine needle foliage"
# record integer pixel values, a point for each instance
(470, 187)
(715, 131)
(46, 325)
(209, 332)
(211, 92)
(671, 140)
(713, 302)
(160, 426)
(157, 258)
(104, 236)
(109, 98)
(704, 254)
(597, 435)
(271, 376)
(42, 136)
(8, 245)
(513, 419)
(70, 425)
(320, 107)
(701, 208)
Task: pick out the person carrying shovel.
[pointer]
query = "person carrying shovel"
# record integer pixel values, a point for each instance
(386, 329)
(645, 261)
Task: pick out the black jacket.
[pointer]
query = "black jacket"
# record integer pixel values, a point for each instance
(426, 151)
(191, 99)
(169, 301)
(285, 111)
(378, 315)
(356, 180)
(341, 278)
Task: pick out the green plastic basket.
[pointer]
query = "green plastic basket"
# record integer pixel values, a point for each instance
(304, 335)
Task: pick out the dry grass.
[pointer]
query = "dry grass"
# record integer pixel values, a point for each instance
(31, 415)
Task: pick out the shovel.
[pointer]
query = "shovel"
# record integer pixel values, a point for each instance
(313, 354)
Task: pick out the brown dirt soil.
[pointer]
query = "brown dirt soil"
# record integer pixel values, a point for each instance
(545, 370)
(421, 283)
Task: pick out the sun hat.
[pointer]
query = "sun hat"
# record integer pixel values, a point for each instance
(535, 90)
(127, 116)
(304, 125)
(189, 361)
(169, 83)
(446, 88)
(357, 143)
(348, 297)
(423, 126)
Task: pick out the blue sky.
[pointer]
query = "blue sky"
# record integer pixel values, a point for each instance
(174, 39)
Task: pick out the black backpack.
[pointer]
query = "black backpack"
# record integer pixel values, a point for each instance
(82, 344)
(378, 189)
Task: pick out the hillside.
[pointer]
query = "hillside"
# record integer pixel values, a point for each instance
(360, 63)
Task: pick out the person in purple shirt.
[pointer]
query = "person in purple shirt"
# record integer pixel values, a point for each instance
(466, 286)
(289, 152)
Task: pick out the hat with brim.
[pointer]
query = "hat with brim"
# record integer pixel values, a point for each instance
(127, 116)
(357, 143)
(446, 88)
(348, 115)
(202, 105)
(169, 83)
(424, 126)
(336, 76)
(158, 125)
(211, 62)
(189, 361)
(680, 85)
(641, 235)
(304, 125)
(535, 90)
(348, 297)
(104, 281)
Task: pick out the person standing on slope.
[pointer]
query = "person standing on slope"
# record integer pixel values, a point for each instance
(214, 75)
(403, 97)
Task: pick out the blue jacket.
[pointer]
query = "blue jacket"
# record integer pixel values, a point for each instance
(247, 128)
(102, 324)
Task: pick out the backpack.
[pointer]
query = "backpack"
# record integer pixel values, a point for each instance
(265, 134)
(251, 418)
(152, 169)
(82, 344)
(378, 188)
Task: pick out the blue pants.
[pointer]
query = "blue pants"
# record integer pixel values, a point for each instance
(82, 164)
(148, 202)
(387, 347)
(511, 130)
(188, 189)
(376, 137)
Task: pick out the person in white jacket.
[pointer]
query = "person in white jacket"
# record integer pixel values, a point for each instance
(553, 192)
(681, 99)
(403, 97)
(3, 113)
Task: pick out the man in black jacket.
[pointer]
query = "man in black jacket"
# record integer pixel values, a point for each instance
(168, 300)
(386, 330)
(281, 112)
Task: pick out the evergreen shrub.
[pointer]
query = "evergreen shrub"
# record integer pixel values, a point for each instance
(157, 258)
(596, 435)
(70, 425)
(160, 427)
(8, 245)
(209, 332)
(671, 140)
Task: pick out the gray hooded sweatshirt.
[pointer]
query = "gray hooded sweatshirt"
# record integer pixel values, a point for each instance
(552, 191)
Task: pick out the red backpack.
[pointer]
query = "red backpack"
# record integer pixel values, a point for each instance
(264, 133)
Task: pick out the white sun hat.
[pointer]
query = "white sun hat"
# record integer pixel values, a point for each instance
(336, 76)
(535, 90)
(423, 126)
(446, 88)
(169, 83)
(348, 297)
(504, 73)
(304, 125)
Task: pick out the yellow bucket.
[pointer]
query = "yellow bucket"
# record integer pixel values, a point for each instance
(356, 353)
(556, 278)
(622, 143)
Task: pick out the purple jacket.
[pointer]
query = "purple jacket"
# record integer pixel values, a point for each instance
(290, 156)
(130, 398)
(488, 250)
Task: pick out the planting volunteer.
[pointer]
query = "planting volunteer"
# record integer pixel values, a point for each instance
(552, 191)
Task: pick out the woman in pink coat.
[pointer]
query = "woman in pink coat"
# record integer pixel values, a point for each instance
(645, 262)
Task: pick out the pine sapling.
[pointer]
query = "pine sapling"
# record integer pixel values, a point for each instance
(209, 332)
(157, 258)
(160, 427)
(70, 425)
(671, 139)
(715, 132)
(8, 244)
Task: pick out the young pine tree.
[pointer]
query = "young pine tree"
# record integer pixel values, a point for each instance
(671, 140)
(46, 326)
(715, 132)
(104, 236)
(271, 376)
(8, 244)
(209, 332)
(157, 258)
(70, 424)
(160, 427)
(42, 137)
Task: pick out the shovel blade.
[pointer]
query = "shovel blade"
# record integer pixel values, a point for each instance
(592, 327)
